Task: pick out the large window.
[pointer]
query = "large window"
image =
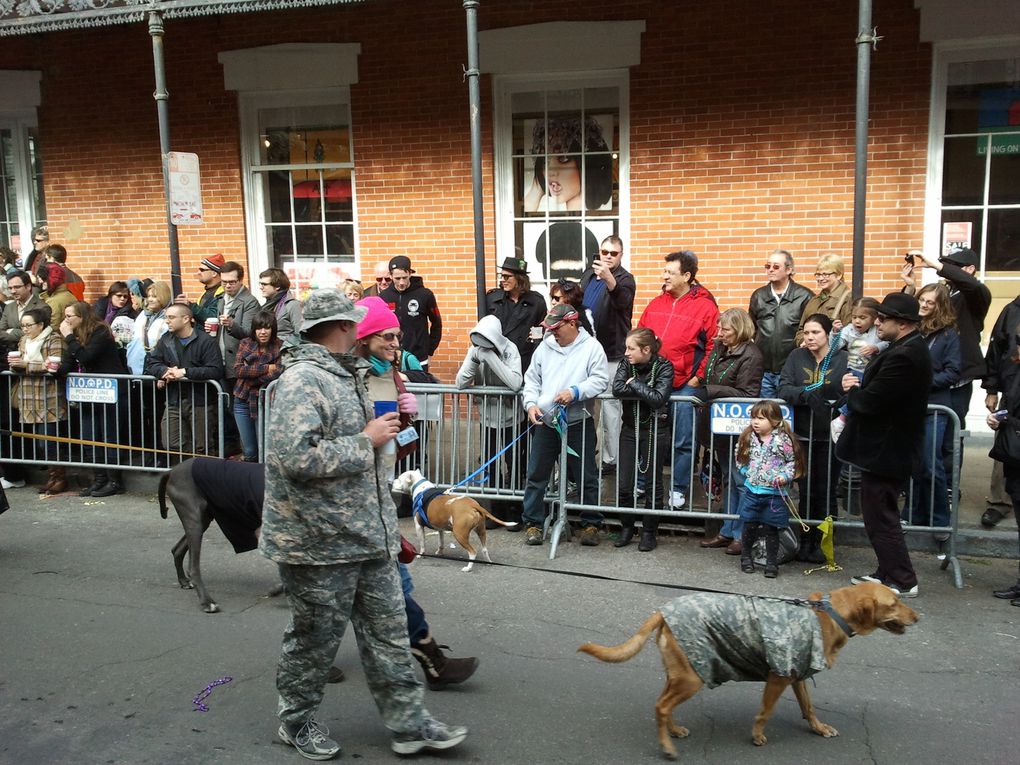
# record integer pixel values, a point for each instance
(22, 204)
(980, 194)
(300, 178)
(561, 177)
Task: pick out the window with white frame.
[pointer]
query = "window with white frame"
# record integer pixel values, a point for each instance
(980, 147)
(22, 204)
(560, 170)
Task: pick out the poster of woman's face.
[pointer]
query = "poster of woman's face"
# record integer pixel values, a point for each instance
(570, 166)
(564, 249)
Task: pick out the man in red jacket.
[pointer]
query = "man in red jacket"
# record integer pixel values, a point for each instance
(684, 318)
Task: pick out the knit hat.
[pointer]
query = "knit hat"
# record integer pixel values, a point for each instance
(559, 314)
(378, 318)
(215, 262)
(55, 276)
(329, 304)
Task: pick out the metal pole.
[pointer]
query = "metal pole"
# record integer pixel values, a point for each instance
(475, 110)
(866, 39)
(162, 111)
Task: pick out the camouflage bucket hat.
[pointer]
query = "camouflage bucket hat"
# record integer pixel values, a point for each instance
(330, 304)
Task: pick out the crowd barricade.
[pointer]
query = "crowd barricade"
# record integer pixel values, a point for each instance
(113, 422)
(463, 429)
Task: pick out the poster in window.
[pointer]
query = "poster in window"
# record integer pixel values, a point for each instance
(956, 235)
(563, 249)
(570, 167)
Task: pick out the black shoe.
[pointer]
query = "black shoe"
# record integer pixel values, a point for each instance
(626, 537)
(1010, 593)
(100, 480)
(648, 542)
(991, 516)
(1015, 602)
(608, 468)
(108, 489)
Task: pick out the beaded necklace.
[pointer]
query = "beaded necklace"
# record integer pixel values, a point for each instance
(649, 421)
(824, 368)
(711, 366)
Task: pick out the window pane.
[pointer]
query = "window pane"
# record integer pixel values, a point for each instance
(276, 197)
(1003, 252)
(340, 243)
(35, 164)
(1004, 181)
(280, 243)
(963, 171)
(304, 135)
(309, 241)
(966, 216)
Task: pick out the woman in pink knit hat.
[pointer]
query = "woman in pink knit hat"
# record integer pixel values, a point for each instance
(379, 343)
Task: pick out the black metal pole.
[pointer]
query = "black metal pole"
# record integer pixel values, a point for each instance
(475, 111)
(865, 40)
(163, 113)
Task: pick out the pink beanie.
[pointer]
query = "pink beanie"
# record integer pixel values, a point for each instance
(378, 319)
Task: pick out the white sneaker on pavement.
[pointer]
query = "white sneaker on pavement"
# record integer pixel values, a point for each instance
(12, 484)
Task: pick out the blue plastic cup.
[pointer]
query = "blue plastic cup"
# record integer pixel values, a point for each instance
(385, 407)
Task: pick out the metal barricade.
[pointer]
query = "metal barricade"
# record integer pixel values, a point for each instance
(463, 429)
(112, 422)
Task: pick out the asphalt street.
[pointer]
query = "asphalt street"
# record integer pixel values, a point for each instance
(102, 654)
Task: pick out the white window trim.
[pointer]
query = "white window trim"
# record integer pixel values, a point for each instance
(504, 86)
(945, 54)
(249, 104)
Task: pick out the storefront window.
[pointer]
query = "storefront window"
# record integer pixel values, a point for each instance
(22, 204)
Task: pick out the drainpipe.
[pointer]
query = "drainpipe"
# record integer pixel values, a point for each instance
(162, 111)
(475, 111)
(866, 40)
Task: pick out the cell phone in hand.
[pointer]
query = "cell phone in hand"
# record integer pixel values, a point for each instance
(908, 258)
(1001, 415)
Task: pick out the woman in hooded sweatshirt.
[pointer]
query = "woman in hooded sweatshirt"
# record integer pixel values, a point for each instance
(146, 398)
(494, 361)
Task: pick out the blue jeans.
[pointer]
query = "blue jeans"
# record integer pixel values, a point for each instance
(931, 501)
(545, 450)
(417, 627)
(683, 440)
(764, 508)
(246, 427)
(770, 385)
(734, 492)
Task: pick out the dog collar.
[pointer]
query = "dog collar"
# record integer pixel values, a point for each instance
(825, 606)
(418, 483)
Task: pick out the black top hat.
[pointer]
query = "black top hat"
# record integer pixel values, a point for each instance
(515, 265)
(900, 305)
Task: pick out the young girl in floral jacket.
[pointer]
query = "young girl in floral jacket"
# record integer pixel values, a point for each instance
(769, 458)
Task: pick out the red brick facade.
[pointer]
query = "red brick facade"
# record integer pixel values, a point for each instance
(741, 138)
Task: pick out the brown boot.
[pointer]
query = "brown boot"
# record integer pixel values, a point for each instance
(440, 670)
(58, 481)
(45, 488)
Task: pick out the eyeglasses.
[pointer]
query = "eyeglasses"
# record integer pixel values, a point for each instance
(204, 270)
(555, 298)
(506, 277)
(30, 324)
(383, 280)
(824, 274)
(40, 241)
(389, 337)
(121, 294)
(774, 267)
(16, 286)
(265, 284)
(229, 282)
(610, 253)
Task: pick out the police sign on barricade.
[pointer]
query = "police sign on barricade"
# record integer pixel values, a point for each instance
(476, 424)
(118, 422)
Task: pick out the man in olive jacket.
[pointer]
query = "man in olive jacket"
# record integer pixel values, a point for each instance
(330, 525)
(884, 435)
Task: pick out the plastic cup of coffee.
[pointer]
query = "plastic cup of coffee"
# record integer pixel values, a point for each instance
(212, 326)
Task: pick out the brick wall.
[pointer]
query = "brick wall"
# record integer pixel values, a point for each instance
(741, 125)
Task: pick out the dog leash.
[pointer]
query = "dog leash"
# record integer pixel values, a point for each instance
(97, 444)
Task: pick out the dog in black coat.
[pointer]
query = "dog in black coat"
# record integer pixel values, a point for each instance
(204, 490)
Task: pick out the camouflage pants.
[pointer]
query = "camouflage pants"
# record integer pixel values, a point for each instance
(322, 600)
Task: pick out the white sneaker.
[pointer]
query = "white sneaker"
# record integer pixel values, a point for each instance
(12, 484)
(677, 499)
(911, 593)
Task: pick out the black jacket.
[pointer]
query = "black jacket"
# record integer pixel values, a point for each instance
(200, 358)
(613, 312)
(100, 306)
(99, 355)
(884, 431)
(517, 319)
(812, 409)
(419, 318)
(776, 324)
(971, 299)
(651, 394)
(1002, 348)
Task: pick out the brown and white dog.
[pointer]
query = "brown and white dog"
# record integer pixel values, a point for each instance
(861, 609)
(453, 512)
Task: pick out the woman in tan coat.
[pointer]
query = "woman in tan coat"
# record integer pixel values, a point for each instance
(833, 298)
(38, 395)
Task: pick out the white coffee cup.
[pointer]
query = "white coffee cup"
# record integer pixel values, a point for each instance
(53, 363)
(13, 356)
(212, 325)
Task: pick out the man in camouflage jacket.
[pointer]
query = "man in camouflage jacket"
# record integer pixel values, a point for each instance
(330, 525)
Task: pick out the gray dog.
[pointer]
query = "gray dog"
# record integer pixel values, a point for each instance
(204, 490)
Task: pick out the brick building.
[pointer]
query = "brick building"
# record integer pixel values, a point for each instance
(336, 134)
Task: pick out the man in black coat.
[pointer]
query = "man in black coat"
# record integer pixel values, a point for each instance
(884, 435)
(519, 308)
(609, 290)
(416, 310)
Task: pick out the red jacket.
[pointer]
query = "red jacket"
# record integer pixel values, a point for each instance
(687, 328)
